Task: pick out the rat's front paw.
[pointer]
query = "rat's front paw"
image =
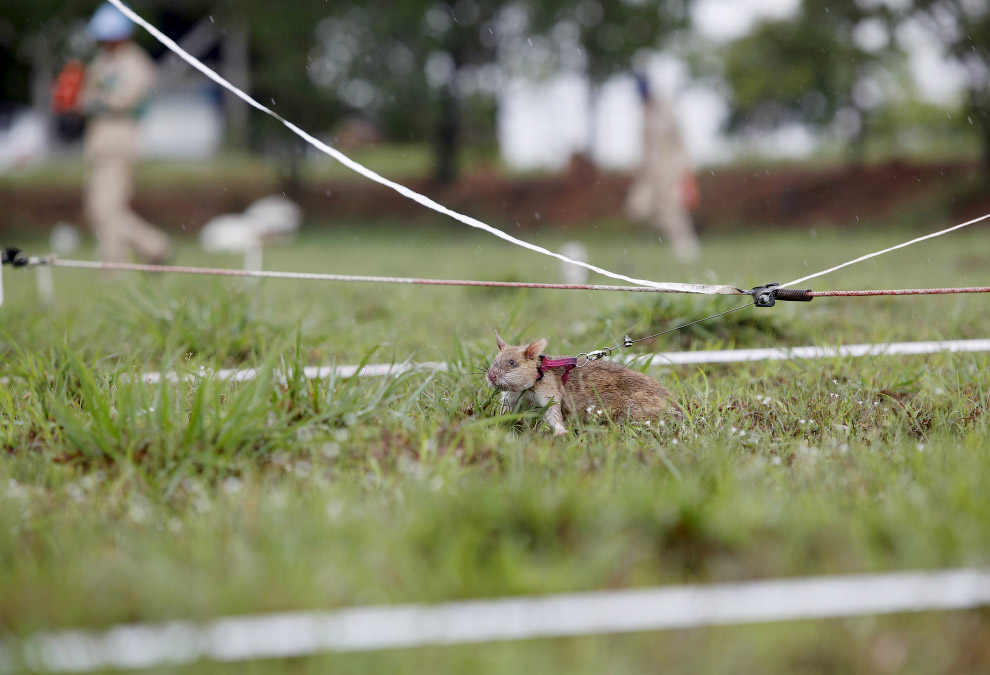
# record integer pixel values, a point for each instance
(560, 431)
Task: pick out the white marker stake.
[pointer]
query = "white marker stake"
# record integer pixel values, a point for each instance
(253, 261)
(46, 285)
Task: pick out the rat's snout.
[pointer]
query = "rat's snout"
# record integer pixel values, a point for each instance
(492, 375)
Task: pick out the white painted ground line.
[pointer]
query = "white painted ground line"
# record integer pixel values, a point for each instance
(670, 358)
(401, 626)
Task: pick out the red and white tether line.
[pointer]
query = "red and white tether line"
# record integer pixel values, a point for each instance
(899, 291)
(315, 276)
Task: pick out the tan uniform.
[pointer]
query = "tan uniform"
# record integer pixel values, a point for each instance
(118, 83)
(656, 195)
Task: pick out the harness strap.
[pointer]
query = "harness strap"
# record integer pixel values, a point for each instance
(567, 363)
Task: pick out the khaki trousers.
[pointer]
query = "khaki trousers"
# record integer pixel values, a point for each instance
(655, 198)
(118, 229)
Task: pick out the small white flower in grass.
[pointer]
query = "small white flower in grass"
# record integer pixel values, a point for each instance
(598, 412)
(75, 492)
(662, 423)
(231, 484)
(15, 490)
(90, 481)
(139, 510)
(335, 509)
(201, 503)
(921, 447)
(648, 423)
(843, 448)
(775, 461)
(590, 409)
(732, 430)
(330, 450)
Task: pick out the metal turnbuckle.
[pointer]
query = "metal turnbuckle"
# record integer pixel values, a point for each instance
(768, 294)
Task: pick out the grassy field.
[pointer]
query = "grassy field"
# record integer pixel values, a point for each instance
(122, 501)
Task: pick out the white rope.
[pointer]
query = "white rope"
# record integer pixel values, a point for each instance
(669, 358)
(242, 638)
(706, 289)
(886, 250)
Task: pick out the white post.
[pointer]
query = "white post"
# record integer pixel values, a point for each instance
(253, 261)
(46, 285)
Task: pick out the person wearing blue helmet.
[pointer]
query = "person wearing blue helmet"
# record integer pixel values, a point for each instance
(117, 85)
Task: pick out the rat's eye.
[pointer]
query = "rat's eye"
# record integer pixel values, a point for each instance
(511, 362)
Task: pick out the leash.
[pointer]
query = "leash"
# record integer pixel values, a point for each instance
(763, 296)
(629, 342)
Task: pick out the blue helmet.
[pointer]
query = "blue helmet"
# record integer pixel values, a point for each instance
(109, 24)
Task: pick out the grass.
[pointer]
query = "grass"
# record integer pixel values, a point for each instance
(124, 501)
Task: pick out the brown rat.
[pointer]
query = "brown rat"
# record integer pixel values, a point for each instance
(599, 386)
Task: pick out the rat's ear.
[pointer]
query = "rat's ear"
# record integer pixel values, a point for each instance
(499, 341)
(535, 348)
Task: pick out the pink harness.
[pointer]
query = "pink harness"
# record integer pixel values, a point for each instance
(567, 363)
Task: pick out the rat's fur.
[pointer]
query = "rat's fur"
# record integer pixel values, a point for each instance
(599, 386)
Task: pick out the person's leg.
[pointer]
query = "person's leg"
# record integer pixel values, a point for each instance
(147, 241)
(103, 199)
(121, 230)
(673, 220)
(676, 223)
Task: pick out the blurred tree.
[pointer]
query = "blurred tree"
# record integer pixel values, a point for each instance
(602, 39)
(452, 52)
(411, 64)
(34, 39)
(962, 27)
(810, 69)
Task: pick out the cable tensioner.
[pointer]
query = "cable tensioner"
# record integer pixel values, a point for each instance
(14, 256)
(768, 294)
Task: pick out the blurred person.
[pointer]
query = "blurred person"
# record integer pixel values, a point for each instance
(664, 187)
(117, 84)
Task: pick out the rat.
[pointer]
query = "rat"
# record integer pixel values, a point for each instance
(593, 388)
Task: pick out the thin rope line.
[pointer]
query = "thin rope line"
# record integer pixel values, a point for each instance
(886, 250)
(706, 289)
(314, 276)
(685, 325)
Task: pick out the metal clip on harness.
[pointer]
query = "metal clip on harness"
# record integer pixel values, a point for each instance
(767, 295)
